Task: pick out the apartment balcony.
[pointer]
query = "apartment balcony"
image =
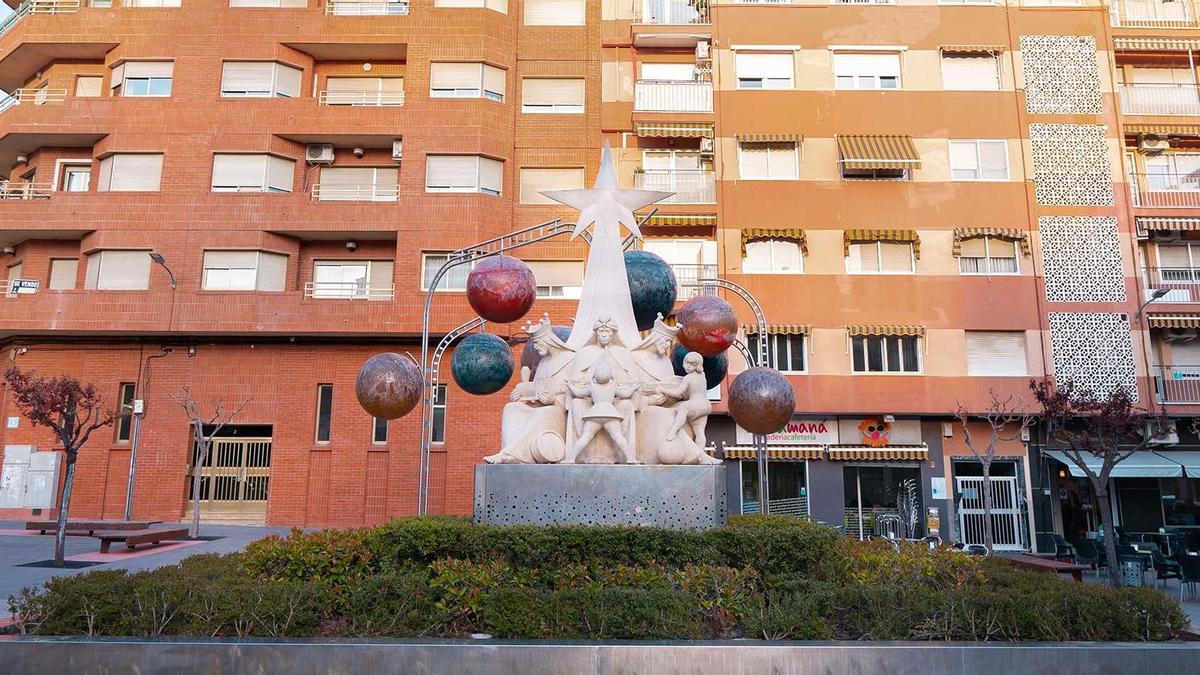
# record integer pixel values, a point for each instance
(1165, 190)
(38, 7)
(687, 278)
(1177, 383)
(672, 97)
(1182, 284)
(366, 7)
(346, 192)
(42, 96)
(361, 98)
(348, 290)
(862, 2)
(690, 186)
(25, 191)
(673, 12)
(1160, 99)
(1153, 14)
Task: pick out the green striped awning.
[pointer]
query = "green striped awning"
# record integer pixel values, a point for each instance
(792, 234)
(1018, 235)
(675, 129)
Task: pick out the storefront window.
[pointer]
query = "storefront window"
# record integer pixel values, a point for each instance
(787, 489)
(872, 499)
(1180, 501)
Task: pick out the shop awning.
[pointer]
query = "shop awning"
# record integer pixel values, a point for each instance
(777, 329)
(769, 138)
(794, 453)
(891, 453)
(675, 129)
(1164, 129)
(1168, 223)
(861, 236)
(878, 152)
(1174, 320)
(972, 49)
(792, 234)
(1141, 464)
(1190, 460)
(961, 234)
(1154, 44)
(902, 330)
(681, 220)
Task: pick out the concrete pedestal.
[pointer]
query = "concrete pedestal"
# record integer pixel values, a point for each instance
(673, 497)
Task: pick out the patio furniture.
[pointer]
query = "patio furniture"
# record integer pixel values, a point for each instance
(1046, 565)
(131, 538)
(88, 527)
(1164, 567)
(1133, 570)
(1087, 553)
(1189, 573)
(1063, 549)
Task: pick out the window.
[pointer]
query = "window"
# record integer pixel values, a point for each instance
(75, 177)
(996, 353)
(130, 173)
(764, 70)
(1171, 172)
(880, 257)
(150, 3)
(63, 273)
(466, 80)
(368, 184)
(785, 353)
(88, 85)
(463, 173)
(886, 354)
(259, 79)
(545, 95)
(979, 160)
(364, 91)
(494, 5)
(557, 278)
(125, 395)
(142, 78)
(555, 12)
(252, 173)
(353, 279)
(866, 71)
(324, 412)
(268, 3)
(437, 431)
(668, 72)
(536, 181)
(455, 278)
(970, 72)
(243, 271)
(379, 431)
(772, 257)
(988, 255)
(115, 270)
(1178, 262)
(768, 161)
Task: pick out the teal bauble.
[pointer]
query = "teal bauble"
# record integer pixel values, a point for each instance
(652, 287)
(715, 367)
(482, 364)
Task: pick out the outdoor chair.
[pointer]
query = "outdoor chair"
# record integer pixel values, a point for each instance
(1063, 548)
(1189, 573)
(1087, 553)
(1165, 568)
(1127, 551)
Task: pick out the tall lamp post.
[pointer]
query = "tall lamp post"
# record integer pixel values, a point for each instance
(1137, 317)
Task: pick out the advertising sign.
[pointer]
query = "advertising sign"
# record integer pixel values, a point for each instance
(798, 432)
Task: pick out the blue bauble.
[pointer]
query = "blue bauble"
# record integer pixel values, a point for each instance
(482, 364)
(715, 367)
(651, 287)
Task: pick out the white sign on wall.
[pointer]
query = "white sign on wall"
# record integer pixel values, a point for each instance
(799, 431)
(13, 422)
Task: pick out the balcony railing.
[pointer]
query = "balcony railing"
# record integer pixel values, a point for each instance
(862, 2)
(694, 186)
(42, 96)
(366, 7)
(38, 7)
(673, 12)
(361, 98)
(687, 278)
(669, 96)
(1153, 14)
(1167, 190)
(1182, 284)
(1177, 383)
(1160, 99)
(348, 290)
(346, 192)
(11, 190)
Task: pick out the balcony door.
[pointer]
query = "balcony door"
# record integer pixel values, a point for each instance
(1173, 172)
(691, 259)
(678, 171)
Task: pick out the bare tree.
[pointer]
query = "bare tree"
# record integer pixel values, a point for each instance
(221, 417)
(70, 408)
(1107, 427)
(1005, 421)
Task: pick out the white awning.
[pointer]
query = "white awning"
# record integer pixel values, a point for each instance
(1189, 459)
(1141, 464)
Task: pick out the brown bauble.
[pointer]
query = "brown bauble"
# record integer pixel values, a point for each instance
(761, 400)
(389, 386)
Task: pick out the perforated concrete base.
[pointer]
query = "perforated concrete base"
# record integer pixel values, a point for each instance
(673, 497)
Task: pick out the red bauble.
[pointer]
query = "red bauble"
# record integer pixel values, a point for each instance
(501, 289)
(707, 325)
(388, 386)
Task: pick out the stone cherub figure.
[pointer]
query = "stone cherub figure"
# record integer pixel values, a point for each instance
(602, 415)
(693, 407)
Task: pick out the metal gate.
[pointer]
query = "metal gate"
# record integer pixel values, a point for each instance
(1007, 519)
(233, 480)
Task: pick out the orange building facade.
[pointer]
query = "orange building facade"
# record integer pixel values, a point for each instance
(931, 202)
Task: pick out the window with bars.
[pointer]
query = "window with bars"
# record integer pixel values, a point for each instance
(886, 353)
(881, 257)
(988, 255)
(785, 353)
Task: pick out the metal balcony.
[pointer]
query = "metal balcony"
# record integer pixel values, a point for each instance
(687, 278)
(42, 96)
(366, 7)
(670, 96)
(1165, 190)
(38, 7)
(348, 192)
(14, 190)
(1178, 383)
(678, 12)
(1160, 99)
(1153, 14)
(691, 186)
(1181, 283)
(348, 290)
(361, 98)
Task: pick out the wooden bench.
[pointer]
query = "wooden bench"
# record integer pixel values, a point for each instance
(131, 538)
(88, 527)
(1048, 565)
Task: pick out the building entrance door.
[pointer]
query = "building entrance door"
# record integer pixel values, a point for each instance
(234, 480)
(1006, 512)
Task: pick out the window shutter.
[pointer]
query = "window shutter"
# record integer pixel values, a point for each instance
(894, 257)
(781, 160)
(973, 248)
(380, 281)
(234, 171)
(534, 181)
(1174, 256)
(672, 72)
(866, 64)
(351, 84)
(1001, 248)
(88, 85)
(493, 79)
(540, 91)
(148, 69)
(863, 258)
(287, 80)
(753, 161)
(272, 271)
(118, 76)
(93, 271)
(121, 270)
(347, 176)
(491, 175)
(230, 260)
(458, 3)
(758, 257)
(387, 176)
(557, 272)
(764, 65)
(106, 167)
(993, 159)
(246, 76)
(963, 159)
(456, 173)
(996, 353)
(455, 76)
(63, 273)
(130, 173)
(280, 173)
(971, 73)
(555, 12)
(497, 5)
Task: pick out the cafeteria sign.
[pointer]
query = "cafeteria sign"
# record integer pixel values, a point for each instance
(798, 432)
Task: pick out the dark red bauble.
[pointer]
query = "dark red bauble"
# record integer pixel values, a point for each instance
(761, 400)
(707, 325)
(388, 386)
(501, 289)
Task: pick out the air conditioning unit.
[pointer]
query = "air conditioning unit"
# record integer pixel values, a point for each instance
(702, 49)
(319, 153)
(1179, 334)
(1163, 433)
(397, 149)
(707, 146)
(1152, 144)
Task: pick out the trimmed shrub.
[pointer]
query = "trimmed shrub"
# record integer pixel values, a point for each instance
(593, 614)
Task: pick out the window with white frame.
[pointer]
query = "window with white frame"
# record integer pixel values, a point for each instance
(880, 257)
(131, 172)
(979, 160)
(690, 260)
(63, 273)
(455, 278)
(765, 70)
(871, 70)
(772, 257)
(557, 278)
(546, 95)
(463, 173)
(379, 431)
(352, 279)
(555, 12)
(268, 3)
(358, 183)
(886, 353)
(785, 353)
(768, 161)
(118, 270)
(988, 255)
(1178, 262)
(437, 432)
(668, 72)
(244, 271)
(87, 86)
(142, 78)
(259, 79)
(364, 91)
(535, 180)
(1171, 172)
(75, 176)
(150, 3)
(996, 353)
(494, 5)
(970, 72)
(466, 80)
(252, 173)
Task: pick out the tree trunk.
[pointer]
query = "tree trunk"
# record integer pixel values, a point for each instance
(988, 536)
(60, 537)
(201, 458)
(1110, 535)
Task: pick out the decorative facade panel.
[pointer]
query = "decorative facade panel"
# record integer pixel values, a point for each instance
(1081, 259)
(1071, 165)
(1061, 74)
(1093, 350)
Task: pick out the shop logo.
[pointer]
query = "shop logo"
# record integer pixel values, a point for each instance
(875, 432)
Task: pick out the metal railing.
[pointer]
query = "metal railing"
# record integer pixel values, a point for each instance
(1178, 383)
(672, 12)
(1160, 99)
(38, 7)
(687, 280)
(40, 96)
(792, 506)
(11, 190)
(691, 186)
(669, 96)
(361, 98)
(366, 8)
(349, 192)
(348, 290)
(1182, 284)
(1172, 190)
(862, 2)
(1153, 14)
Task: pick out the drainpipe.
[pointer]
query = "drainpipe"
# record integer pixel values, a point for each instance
(139, 411)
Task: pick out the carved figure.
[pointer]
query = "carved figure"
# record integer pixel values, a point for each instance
(602, 415)
(693, 406)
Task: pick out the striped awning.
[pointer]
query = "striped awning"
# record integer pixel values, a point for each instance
(1018, 235)
(1168, 223)
(862, 236)
(1154, 44)
(675, 129)
(902, 330)
(769, 138)
(890, 453)
(794, 453)
(681, 220)
(792, 234)
(972, 49)
(777, 329)
(1174, 321)
(1164, 129)
(878, 152)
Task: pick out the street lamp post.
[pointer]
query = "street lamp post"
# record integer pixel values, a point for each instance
(1137, 317)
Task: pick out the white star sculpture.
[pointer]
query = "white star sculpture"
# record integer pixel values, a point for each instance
(604, 204)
